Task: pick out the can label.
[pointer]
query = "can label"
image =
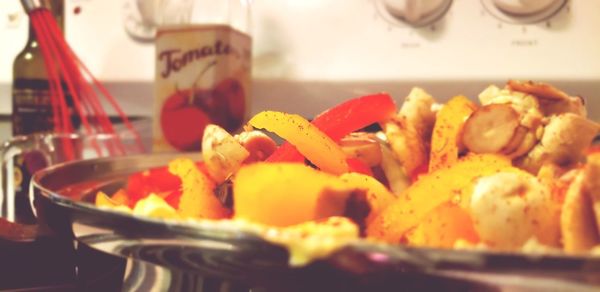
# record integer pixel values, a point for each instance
(202, 76)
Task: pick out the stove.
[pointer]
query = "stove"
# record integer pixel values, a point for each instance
(308, 55)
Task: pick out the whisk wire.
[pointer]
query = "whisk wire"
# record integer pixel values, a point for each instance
(85, 90)
(82, 70)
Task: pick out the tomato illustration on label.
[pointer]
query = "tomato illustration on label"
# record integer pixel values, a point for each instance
(186, 112)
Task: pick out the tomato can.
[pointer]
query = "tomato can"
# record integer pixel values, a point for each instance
(202, 76)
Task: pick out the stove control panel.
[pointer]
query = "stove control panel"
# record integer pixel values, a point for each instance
(428, 39)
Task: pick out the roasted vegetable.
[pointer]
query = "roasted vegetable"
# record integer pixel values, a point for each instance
(378, 196)
(121, 197)
(406, 144)
(552, 100)
(448, 184)
(442, 227)
(509, 208)
(447, 132)
(395, 174)
(283, 194)
(491, 128)
(154, 206)
(577, 219)
(526, 112)
(153, 181)
(362, 146)
(564, 141)
(317, 147)
(103, 200)
(259, 145)
(197, 198)
(418, 112)
(342, 120)
(514, 174)
(222, 153)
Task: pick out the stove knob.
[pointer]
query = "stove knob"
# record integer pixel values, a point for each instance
(417, 12)
(523, 7)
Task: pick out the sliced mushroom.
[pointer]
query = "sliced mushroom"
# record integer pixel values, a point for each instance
(363, 146)
(259, 145)
(406, 143)
(508, 208)
(419, 111)
(553, 175)
(552, 100)
(563, 141)
(527, 142)
(515, 141)
(489, 94)
(491, 128)
(222, 153)
(395, 174)
(525, 104)
(538, 89)
(531, 119)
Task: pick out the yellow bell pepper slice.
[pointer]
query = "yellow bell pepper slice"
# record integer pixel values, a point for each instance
(447, 131)
(284, 194)
(315, 145)
(197, 197)
(378, 196)
(449, 184)
(155, 207)
(103, 200)
(121, 197)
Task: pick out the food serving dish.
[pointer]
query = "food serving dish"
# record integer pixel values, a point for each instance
(63, 195)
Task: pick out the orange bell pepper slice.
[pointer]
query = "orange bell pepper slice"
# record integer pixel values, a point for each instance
(285, 193)
(448, 184)
(443, 226)
(447, 131)
(197, 198)
(315, 145)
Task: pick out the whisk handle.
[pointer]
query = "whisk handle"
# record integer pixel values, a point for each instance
(31, 5)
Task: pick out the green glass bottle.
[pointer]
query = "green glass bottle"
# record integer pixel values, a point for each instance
(31, 105)
(31, 108)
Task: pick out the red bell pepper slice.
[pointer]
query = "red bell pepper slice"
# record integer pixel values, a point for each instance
(342, 120)
(156, 180)
(173, 199)
(356, 165)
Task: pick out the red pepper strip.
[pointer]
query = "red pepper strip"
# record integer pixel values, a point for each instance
(157, 180)
(593, 149)
(355, 165)
(173, 199)
(286, 153)
(342, 120)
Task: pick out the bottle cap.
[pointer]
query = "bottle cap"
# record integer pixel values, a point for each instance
(31, 5)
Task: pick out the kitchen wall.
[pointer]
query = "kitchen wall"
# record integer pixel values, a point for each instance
(313, 53)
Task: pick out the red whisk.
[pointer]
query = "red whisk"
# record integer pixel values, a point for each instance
(62, 64)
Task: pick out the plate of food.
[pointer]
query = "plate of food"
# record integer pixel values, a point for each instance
(499, 192)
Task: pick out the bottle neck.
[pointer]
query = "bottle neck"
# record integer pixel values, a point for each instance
(57, 10)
